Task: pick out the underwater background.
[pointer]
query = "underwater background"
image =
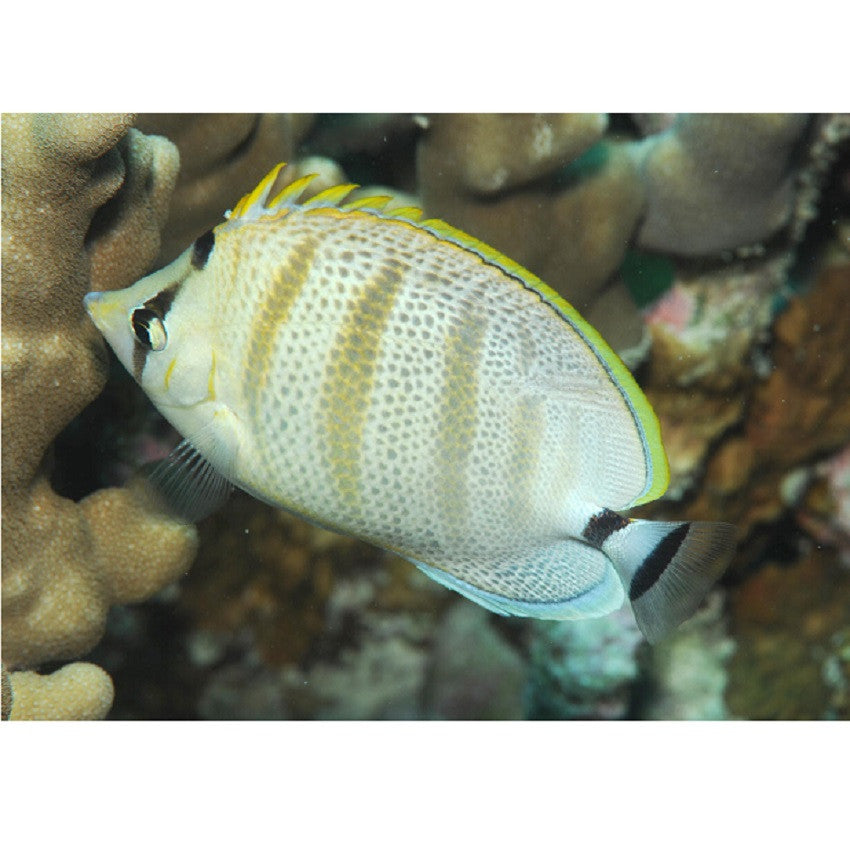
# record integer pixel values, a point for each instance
(711, 251)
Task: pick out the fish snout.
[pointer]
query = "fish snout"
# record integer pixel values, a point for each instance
(93, 302)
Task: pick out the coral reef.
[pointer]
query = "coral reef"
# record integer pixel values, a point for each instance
(260, 570)
(83, 199)
(791, 625)
(583, 669)
(718, 182)
(680, 237)
(795, 416)
(821, 498)
(366, 656)
(474, 672)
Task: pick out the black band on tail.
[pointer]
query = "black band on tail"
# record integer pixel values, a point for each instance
(657, 561)
(601, 526)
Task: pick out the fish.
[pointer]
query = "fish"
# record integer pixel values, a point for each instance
(389, 377)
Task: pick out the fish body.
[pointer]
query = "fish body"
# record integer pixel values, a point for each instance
(399, 381)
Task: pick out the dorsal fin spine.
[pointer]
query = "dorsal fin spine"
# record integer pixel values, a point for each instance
(412, 214)
(374, 203)
(259, 195)
(292, 191)
(330, 197)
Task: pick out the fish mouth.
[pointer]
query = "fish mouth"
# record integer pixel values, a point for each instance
(100, 307)
(93, 302)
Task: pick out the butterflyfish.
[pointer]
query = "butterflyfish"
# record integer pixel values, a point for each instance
(389, 377)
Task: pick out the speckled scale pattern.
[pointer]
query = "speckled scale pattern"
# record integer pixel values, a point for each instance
(401, 388)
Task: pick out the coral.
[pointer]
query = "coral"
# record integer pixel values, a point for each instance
(222, 156)
(790, 624)
(381, 679)
(583, 669)
(259, 569)
(798, 414)
(717, 182)
(369, 661)
(77, 691)
(699, 372)
(804, 406)
(490, 153)
(679, 237)
(548, 193)
(473, 673)
(821, 499)
(83, 199)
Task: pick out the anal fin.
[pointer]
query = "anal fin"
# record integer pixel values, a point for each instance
(565, 581)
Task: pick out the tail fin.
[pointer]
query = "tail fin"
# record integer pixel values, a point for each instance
(668, 567)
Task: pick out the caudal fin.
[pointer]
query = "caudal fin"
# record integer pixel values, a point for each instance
(668, 567)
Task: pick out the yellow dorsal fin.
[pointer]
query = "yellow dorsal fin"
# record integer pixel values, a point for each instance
(255, 204)
(292, 191)
(412, 214)
(331, 197)
(374, 202)
(259, 195)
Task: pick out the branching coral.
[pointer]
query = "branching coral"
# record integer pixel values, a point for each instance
(84, 197)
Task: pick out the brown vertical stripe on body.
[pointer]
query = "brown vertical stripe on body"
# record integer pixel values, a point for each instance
(458, 418)
(287, 283)
(140, 357)
(526, 426)
(350, 378)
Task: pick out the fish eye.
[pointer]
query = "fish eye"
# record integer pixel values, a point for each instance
(149, 329)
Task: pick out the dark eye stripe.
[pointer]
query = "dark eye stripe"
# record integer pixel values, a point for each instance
(201, 250)
(140, 356)
(162, 301)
